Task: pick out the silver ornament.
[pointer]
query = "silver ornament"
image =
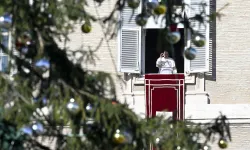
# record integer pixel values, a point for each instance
(27, 130)
(206, 147)
(89, 107)
(133, 3)
(141, 19)
(24, 50)
(152, 4)
(190, 53)
(38, 128)
(5, 21)
(157, 140)
(72, 106)
(173, 37)
(198, 40)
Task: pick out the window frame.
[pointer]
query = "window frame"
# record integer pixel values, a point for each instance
(141, 52)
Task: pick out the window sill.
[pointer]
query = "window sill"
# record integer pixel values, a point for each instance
(139, 80)
(196, 93)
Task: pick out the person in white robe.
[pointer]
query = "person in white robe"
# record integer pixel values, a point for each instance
(166, 64)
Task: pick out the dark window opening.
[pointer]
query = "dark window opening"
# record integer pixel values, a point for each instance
(155, 44)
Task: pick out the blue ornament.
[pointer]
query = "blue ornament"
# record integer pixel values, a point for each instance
(38, 128)
(24, 50)
(27, 130)
(44, 100)
(5, 21)
(43, 63)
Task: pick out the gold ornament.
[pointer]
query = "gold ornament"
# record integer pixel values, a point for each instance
(222, 144)
(122, 137)
(133, 3)
(161, 9)
(119, 138)
(198, 40)
(86, 28)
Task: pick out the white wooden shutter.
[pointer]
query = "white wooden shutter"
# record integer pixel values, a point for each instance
(211, 75)
(129, 42)
(201, 62)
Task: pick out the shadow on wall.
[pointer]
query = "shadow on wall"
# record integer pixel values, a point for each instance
(211, 75)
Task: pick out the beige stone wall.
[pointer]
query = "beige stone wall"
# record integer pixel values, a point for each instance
(232, 62)
(104, 50)
(232, 55)
(240, 138)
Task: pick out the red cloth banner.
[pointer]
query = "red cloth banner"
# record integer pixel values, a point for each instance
(165, 93)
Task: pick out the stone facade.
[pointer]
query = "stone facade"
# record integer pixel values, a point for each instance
(228, 92)
(232, 51)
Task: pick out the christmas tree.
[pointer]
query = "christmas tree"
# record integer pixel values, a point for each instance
(47, 97)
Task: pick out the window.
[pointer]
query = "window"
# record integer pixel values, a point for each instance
(135, 44)
(201, 62)
(155, 44)
(4, 57)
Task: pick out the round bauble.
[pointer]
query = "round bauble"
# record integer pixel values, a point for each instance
(73, 107)
(141, 19)
(38, 128)
(122, 137)
(152, 4)
(206, 147)
(173, 37)
(157, 140)
(190, 53)
(89, 107)
(5, 21)
(198, 40)
(86, 28)
(99, 1)
(27, 130)
(24, 50)
(161, 9)
(222, 143)
(43, 63)
(133, 3)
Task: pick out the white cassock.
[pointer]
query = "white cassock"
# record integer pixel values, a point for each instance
(166, 65)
